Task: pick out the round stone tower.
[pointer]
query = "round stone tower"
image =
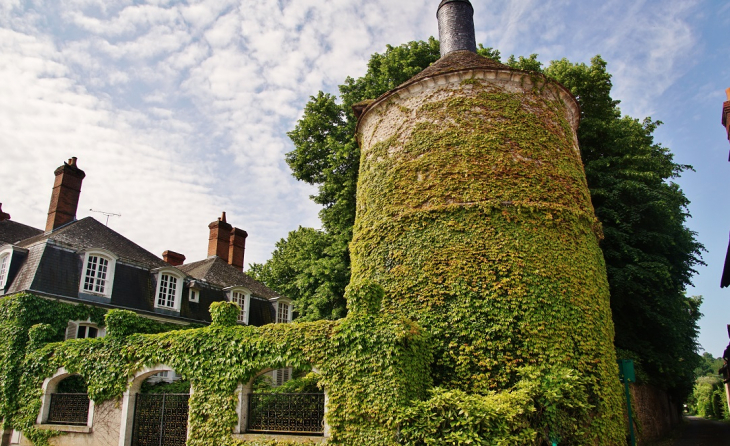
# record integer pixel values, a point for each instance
(474, 214)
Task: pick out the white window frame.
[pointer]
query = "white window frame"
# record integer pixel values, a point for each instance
(111, 265)
(289, 311)
(245, 305)
(6, 256)
(72, 329)
(180, 282)
(194, 295)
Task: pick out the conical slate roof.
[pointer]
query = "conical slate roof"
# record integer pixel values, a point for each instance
(457, 61)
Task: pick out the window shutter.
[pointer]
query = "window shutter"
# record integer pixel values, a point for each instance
(71, 330)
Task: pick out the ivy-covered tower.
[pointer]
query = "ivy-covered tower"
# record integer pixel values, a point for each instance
(474, 214)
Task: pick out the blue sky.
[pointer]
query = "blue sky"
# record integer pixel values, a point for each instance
(178, 111)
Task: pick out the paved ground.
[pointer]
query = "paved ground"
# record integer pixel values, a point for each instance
(699, 432)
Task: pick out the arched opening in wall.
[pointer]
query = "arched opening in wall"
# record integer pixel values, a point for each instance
(65, 401)
(286, 401)
(156, 407)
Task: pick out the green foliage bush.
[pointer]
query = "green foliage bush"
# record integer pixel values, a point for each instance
(224, 314)
(122, 323)
(709, 399)
(544, 405)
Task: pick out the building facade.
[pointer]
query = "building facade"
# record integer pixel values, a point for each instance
(84, 261)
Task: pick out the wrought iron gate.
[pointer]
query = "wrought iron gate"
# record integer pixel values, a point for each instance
(301, 413)
(160, 419)
(69, 408)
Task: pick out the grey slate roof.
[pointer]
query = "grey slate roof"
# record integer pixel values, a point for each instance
(13, 232)
(24, 280)
(218, 272)
(457, 61)
(88, 233)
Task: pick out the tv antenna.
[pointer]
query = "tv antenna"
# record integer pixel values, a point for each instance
(108, 214)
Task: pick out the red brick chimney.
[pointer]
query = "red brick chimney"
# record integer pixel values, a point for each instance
(3, 216)
(173, 258)
(220, 236)
(237, 247)
(65, 196)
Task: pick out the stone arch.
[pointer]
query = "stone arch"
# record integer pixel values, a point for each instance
(129, 398)
(50, 387)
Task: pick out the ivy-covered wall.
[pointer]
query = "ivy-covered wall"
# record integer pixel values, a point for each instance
(372, 366)
(474, 214)
(17, 315)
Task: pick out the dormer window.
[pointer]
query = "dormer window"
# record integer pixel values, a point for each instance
(169, 290)
(98, 273)
(283, 312)
(242, 298)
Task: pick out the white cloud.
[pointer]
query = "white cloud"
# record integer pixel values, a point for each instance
(179, 110)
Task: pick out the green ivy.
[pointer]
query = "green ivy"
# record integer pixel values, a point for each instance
(20, 315)
(372, 365)
(475, 216)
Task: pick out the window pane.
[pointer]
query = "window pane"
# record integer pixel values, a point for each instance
(3, 268)
(90, 273)
(240, 299)
(282, 313)
(96, 272)
(101, 275)
(82, 332)
(91, 332)
(168, 287)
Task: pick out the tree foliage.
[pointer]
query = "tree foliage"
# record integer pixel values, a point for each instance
(708, 398)
(708, 366)
(308, 267)
(650, 254)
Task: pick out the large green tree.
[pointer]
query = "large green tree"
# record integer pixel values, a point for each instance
(650, 253)
(309, 267)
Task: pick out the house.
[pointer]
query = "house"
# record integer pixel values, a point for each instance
(84, 261)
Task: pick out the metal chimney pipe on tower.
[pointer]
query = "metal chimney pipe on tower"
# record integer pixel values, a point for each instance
(456, 26)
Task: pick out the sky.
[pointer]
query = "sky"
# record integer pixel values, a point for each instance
(178, 110)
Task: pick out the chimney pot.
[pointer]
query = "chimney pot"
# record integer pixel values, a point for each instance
(65, 195)
(173, 258)
(219, 239)
(456, 26)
